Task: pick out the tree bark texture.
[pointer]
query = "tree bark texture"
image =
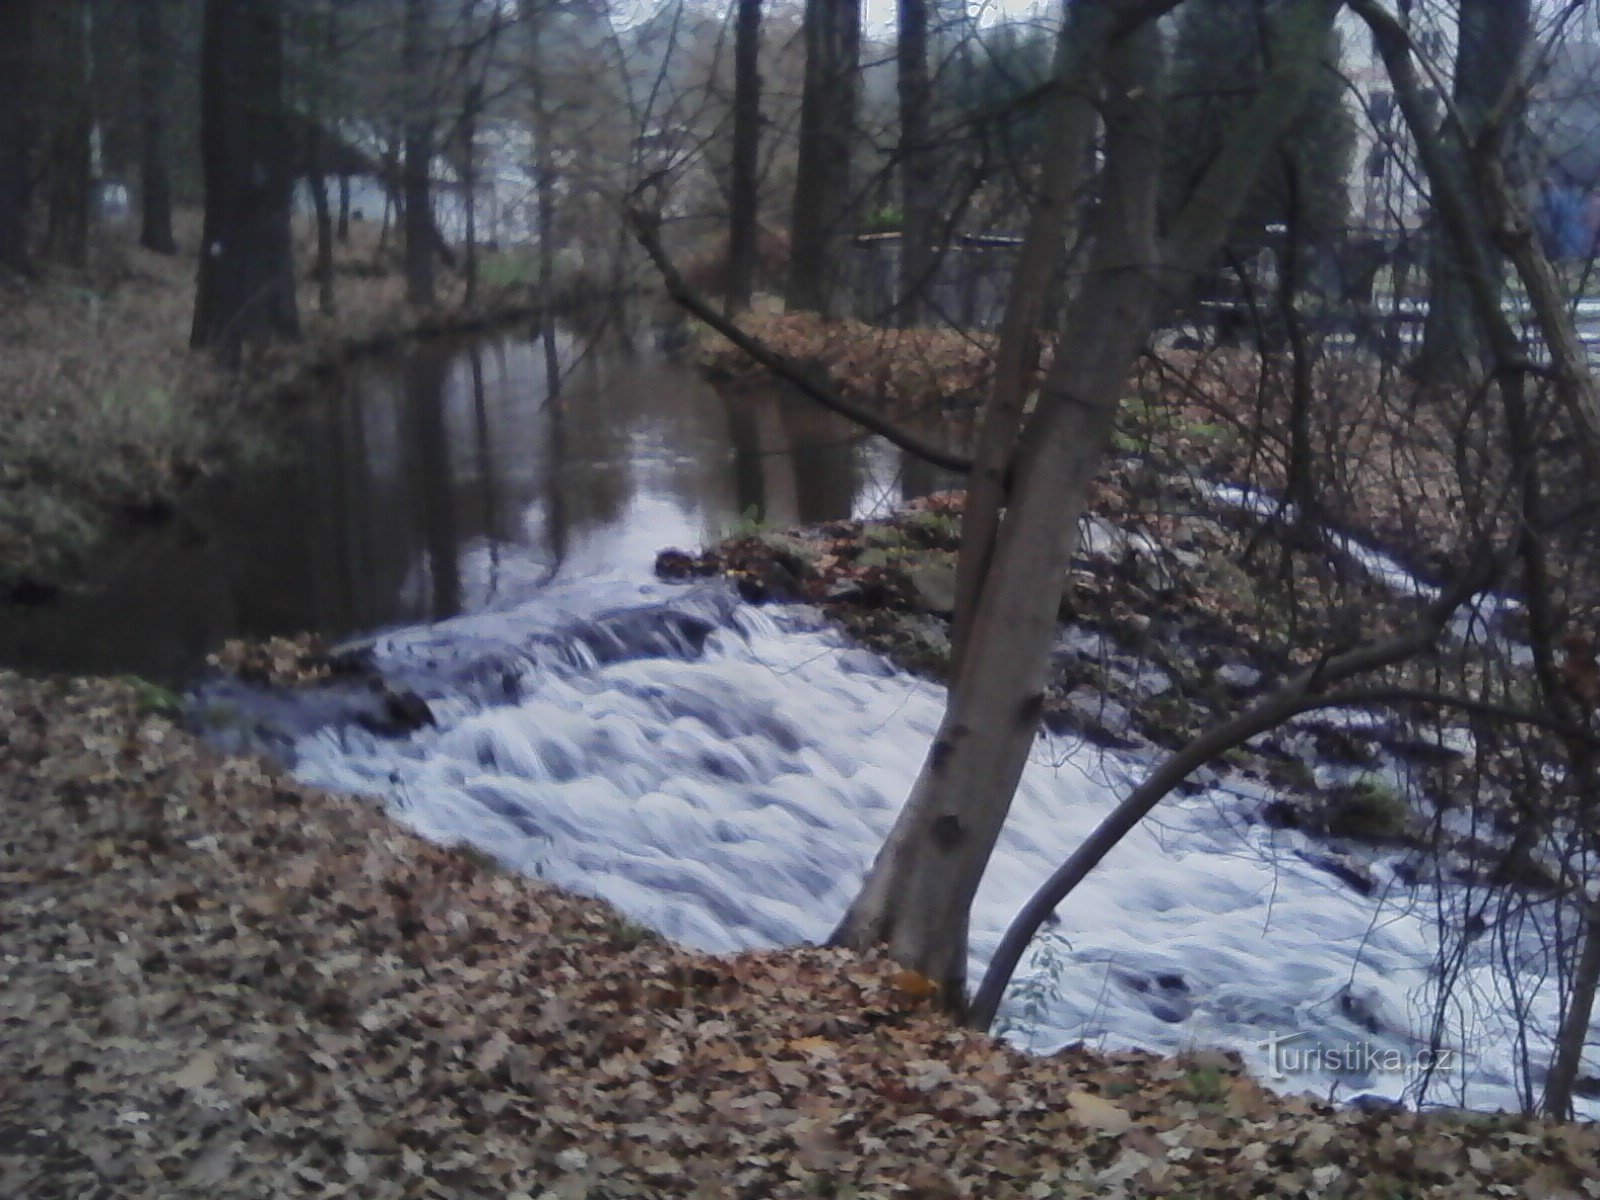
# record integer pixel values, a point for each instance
(68, 158)
(917, 898)
(744, 221)
(16, 44)
(155, 98)
(246, 287)
(416, 171)
(918, 165)
(1493, 37)
(820, 226)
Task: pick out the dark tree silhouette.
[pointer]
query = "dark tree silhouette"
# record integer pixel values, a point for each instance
(415, 173)
(68, 159)
(155, 88)
(743, 199)
(246, 292)
(16, 40)
(822, 182)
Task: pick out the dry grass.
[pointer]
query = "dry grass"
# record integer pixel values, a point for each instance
(106, 412)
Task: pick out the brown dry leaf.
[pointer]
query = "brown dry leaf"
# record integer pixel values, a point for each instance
(198, 1072)
(1097, 1113)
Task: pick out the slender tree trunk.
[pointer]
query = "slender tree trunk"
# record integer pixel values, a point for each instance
(544, 170)
(155, 89)
(246, 289)
(68, 156)
(917, 897)
(744, 223)
(918, 166)
(1493, 36)
(820, 226)
(469, 185)
(317, 180)
(1573, 1037)
(16, 43)
(416, 172)
(1050, 227)
(344, 207)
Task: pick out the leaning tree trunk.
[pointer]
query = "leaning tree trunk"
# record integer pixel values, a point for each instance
(918, 165)
(16, 41)
(416, 171)
(820, 225)
(1051, 227)
(155, 91)
(917, 898)
(744, 168)
(246, 289)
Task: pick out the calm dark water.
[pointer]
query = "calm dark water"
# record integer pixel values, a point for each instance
(449, 479)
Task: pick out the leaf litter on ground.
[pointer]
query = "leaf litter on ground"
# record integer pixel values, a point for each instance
(219, 983)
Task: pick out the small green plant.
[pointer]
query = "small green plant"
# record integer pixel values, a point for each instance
(1368, 807)
(630, 933)
(1035, 992)
(507, 269)
(939, 530)
(891, 218)
(1206, 1084)
(750, 523)
(153, 700)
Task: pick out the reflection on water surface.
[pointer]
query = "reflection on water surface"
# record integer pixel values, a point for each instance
(450, 478)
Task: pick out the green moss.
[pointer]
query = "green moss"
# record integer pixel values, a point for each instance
(1369, 808)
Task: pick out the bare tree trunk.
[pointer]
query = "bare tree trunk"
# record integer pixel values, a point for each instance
(544, 169)
(1050, 227)
(246, 290)
(317, 180)
(744, 225)
(344, 207)
(819, 228)
(918, 895)
(1573, 1037)
(155, 90)
(68, 155)
(416, 172)
(469, 185)
(917, 898)
(918, 166)
(16, 43)
(1493, 35)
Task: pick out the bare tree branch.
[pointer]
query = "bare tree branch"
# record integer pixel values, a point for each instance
(645, 229)
(1306, 692)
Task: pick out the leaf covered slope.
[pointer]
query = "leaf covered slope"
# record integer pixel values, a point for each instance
(220, 984)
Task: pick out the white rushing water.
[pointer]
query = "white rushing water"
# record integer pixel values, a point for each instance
(734, 798)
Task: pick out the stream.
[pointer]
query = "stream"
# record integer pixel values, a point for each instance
(720, 772)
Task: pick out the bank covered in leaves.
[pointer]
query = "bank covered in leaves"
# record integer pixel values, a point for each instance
(220, 983)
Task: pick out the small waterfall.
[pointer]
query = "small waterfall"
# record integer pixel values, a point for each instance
(725, 774)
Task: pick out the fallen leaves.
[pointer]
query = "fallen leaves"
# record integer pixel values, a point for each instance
(291, 996)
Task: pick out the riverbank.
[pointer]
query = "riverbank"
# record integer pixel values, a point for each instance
(220, 983)
(107, 418)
